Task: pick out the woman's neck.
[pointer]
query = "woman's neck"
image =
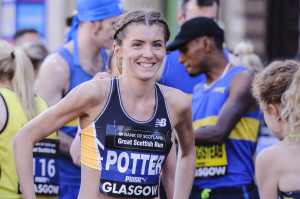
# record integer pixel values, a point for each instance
(136, 88)
(6, 84)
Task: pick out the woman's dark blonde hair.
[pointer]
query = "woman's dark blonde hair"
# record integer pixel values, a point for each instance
(279, 84)
(36, 53)
(245, 52)
(141, 16)
(15, 66)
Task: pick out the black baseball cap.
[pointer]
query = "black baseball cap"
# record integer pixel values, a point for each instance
(194, 28)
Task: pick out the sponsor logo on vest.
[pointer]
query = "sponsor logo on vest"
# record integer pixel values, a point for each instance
(219, 89)
(161, 122)
(41, 179)
(129, 190)
(135, 179)
(210, 171)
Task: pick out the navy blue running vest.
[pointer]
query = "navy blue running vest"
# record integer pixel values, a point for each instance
(133, 151)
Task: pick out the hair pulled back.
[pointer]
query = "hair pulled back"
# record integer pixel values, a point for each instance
(141, 16)
(15, 66)
(279, 84)
(245, 52)
(36, 53)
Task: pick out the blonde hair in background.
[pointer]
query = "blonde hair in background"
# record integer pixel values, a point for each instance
(244, 51)
(16, 67)
(35, 51)
(279, 84)
(291, 102)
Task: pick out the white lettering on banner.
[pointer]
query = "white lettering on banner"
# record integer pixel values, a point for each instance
(126, 142)
(138, 190)
(46, 189)
(127, 134)
(46, 144)
(143, 143)
(153, 137)
(158, 145)
(124, 156)
(44, 150)
(135, 179)
(145, 158)
(41, 179)
(154, 162)
(46, 167)
(135, 157)
(210, 171)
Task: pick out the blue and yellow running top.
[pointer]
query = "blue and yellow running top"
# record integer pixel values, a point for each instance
(231, 163)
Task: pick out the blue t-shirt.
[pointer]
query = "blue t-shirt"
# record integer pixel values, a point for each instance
(176, 76)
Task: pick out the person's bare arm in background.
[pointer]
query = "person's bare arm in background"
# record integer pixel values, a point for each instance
(51, 84)
(75, 146)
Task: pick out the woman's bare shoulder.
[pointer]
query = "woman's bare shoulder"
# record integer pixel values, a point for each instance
(89, 94)
(269, 156)
(95, 89)
(179, 103)
(175, 97)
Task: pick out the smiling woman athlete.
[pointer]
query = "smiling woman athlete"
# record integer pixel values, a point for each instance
(127, 122)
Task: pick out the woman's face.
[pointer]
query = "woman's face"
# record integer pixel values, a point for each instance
(143, 50)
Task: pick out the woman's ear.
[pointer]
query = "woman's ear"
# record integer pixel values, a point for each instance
(108, 70)
(274, 111)
(117, 51)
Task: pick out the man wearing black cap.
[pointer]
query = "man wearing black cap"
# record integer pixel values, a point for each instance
(226, 116)
(172, 70)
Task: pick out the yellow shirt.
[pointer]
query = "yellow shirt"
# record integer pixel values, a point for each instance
(16, 118)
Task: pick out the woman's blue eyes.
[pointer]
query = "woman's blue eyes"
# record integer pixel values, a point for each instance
(155, 45)
(137, 45)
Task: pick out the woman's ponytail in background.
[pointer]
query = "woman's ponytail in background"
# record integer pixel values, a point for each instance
(15, 66)
(23, 83)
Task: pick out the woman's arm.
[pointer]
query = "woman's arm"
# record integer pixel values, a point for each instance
(72, 106)
(169, 169)
(186, 158)
(75, 148)
(266, 174)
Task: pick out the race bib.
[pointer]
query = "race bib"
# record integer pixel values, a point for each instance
(211, 161)
(45, 168)
(132, 161)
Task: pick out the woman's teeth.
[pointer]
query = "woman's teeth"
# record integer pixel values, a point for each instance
(146, 65)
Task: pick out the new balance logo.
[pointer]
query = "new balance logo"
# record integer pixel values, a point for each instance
(161, 122)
